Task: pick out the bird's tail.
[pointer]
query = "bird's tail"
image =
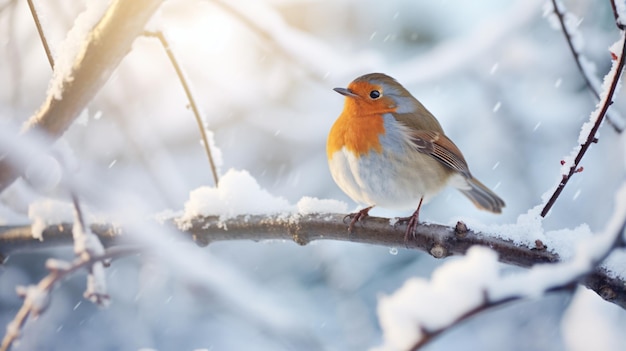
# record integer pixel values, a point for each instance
(482, 197)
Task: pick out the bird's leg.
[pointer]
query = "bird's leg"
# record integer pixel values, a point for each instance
(357, 216)
(412, 222)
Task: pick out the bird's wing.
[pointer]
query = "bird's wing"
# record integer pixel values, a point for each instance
(438, 146)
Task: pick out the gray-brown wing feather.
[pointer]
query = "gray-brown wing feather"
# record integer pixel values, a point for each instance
(439, 147)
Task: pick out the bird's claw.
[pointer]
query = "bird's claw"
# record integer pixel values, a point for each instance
(356, 217)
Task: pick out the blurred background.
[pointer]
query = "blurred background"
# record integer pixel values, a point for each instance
(497, 74)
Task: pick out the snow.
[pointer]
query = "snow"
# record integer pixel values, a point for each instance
(35, 297)
(589, 252)
(46, 212)
(592, 324)
(96, 290)
(464, 284)
(231, 199)
(455, 288)
(311, 205)
(72, 48)
(54, 264)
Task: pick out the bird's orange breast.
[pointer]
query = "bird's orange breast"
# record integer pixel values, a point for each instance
(359, 134)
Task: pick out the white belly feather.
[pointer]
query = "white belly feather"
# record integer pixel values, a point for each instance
(396, 178)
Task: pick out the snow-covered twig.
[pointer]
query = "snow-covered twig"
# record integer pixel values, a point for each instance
(619, 11)
(590, 129)
(87, 245)
(192, 102)
(44, 41)
(613, 117)
(37, 297)
(78, 81)
(437, 240)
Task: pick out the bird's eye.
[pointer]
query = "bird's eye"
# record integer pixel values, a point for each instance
(374, 94)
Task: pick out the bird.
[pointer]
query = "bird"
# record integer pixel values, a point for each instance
(386, 149)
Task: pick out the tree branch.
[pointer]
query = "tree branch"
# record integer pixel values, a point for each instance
(37, 297)
(597, 121)
(190, 97)
(613, 120)
(44, 42)
(108, 42)
(437, 240)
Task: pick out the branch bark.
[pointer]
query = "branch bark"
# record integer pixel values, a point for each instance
(108, 43)
(437, 240)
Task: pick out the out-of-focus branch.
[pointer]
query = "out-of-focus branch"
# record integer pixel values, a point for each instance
(591, 137)
(46, 48)
(559, 10)
(192, 102)
(108, 42)
(37, 297)
(439, 241)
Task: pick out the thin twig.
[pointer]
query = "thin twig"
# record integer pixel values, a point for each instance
(431, 335)
(618, 22)
(47, 284)
(33, 11)
(591, 138)
(578, 59)
(192, 102)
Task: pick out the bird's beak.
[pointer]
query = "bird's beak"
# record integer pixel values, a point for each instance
(345, 92)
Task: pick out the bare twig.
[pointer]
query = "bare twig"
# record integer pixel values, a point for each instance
(33, 11)
(591, 138)
(36, 297)
(109, 41)
(192, 102)
(612, 119)
(437, 240)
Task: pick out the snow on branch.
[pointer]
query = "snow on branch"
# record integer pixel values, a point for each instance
(98, 50)
(458, 290)
(568, 25)
(570, 165)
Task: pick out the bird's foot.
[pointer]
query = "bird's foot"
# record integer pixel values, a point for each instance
(357, 216)
(411, 223)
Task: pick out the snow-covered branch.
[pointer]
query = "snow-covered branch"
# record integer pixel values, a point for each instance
(97, 50)
(414, 315)
(567, 23)
(590, 129)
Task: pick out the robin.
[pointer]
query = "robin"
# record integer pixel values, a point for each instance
(386, 149)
